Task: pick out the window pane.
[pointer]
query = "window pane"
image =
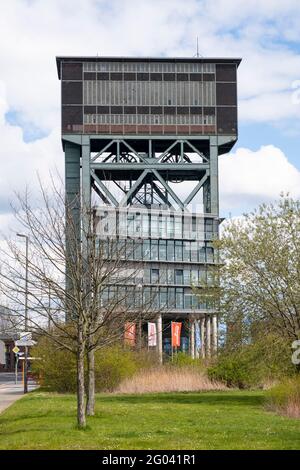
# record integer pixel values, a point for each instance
(146, 250)
(154, 276)
(178, 251)
(178, 276)
(170, 248)
(162, 250)
(154, 250)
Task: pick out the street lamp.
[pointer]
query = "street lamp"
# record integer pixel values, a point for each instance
(21, 235)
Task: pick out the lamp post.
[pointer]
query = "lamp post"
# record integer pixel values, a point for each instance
(21, 235)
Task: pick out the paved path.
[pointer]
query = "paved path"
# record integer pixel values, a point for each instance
(9, 377)
(10, 392)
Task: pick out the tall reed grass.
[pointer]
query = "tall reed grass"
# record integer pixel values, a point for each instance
(169, 379)
(284, 398)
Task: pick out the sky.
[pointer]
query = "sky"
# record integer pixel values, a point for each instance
(266, 35)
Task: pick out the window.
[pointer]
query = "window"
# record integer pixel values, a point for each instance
(187, 300)
(147, 295)
(147, 276)
(171, 279)
(202, 276)
(178, 250)
(171, 297)
(170, 250)
(130, 224)
(163, 297)
(163, 275)
(137, 250)
(146, 250)
(162, 250)
(129, 249)
(178, 276)
(194, 276)
(145, 225)
(194, 253)
(154, 250)
(179, 298)
(154, 276)
(162, 226)
(178, 227)
(170, 226)
(202, 257)
(155, 297)
(154, 225)
(186, 277)
(186, 251)
(210, 254)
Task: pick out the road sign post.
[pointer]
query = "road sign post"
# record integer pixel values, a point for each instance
(16, 350)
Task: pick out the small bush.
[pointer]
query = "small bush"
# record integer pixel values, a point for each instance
(253, 365)
(112, 365)
(56, 368)
(182, 359)
(285, 398)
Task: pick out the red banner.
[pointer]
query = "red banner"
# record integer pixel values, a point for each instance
(176, 331)
(130, 333)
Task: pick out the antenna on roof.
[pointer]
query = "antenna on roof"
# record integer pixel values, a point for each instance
(197, 49)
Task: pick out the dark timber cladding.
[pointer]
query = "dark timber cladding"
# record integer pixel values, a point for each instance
(136, 131)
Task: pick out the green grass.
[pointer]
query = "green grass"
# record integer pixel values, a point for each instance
(211, 420)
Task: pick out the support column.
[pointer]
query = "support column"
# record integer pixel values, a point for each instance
(214, 334)
(192, 338)
(85, 191)
(214, 180)
(159, 337)
(208, 337)
(202, 336)
(72, 202)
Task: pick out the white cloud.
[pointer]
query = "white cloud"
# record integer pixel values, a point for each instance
(21, 162)
(248, 178)
(33, 32)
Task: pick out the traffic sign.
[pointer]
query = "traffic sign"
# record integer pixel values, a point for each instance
(25, 335)
(20, 342)
(16, 349)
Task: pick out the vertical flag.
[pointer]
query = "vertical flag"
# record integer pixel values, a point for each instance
(130, 333)
(197, 337)
(151, 334)
(176, 331)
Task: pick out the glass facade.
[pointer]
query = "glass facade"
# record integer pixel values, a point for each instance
(176, 251)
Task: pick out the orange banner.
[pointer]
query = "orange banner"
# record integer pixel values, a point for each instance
(176, 331)
(130, 333)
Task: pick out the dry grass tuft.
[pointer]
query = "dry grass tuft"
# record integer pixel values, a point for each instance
(168, 379)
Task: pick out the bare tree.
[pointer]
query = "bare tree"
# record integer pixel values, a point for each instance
(68, 297)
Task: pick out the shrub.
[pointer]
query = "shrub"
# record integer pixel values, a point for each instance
(112, 365)
(182, 359)
(253, 365)
(285, 398)
(56, 369)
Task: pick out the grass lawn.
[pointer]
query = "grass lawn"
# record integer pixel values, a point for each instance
(210, 420)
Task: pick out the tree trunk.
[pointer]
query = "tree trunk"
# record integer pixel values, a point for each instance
(81, 418)
(90, 405)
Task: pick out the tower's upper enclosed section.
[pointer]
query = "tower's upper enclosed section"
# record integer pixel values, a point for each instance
(148, 96)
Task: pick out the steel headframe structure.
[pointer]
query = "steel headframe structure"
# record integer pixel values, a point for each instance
(134, 131)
